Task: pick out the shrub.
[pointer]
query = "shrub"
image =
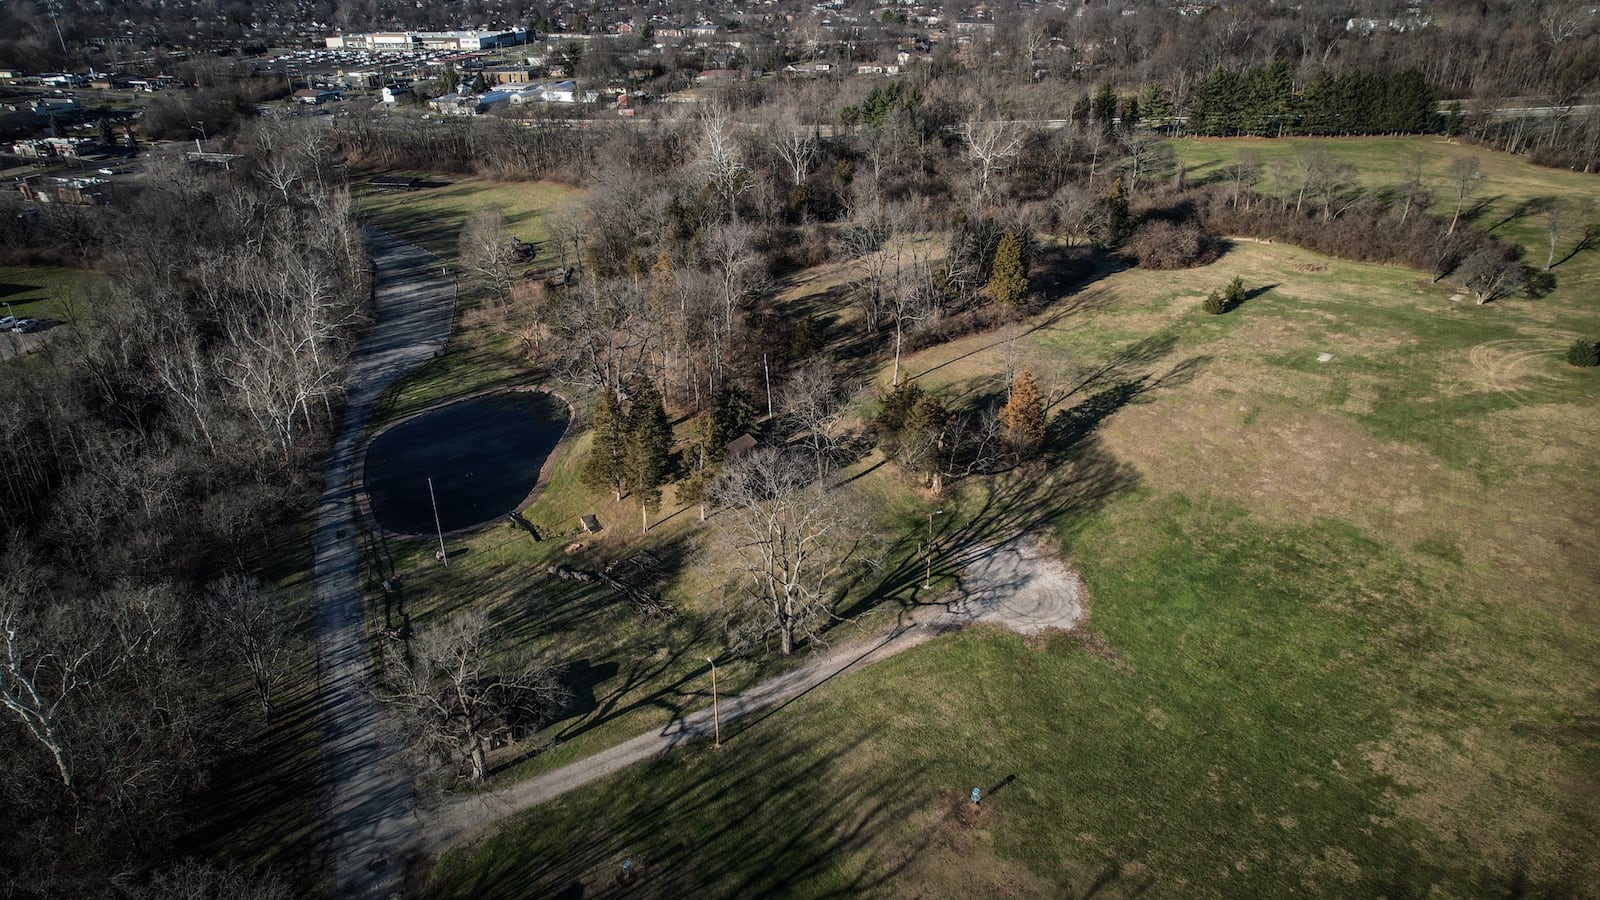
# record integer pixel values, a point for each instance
(1584, 353)
(1220, 301)
(1233, 294)
(1159, 244)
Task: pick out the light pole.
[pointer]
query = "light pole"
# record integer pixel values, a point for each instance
(716, 717)
(442, 555)
(927, 575)
(199, 142)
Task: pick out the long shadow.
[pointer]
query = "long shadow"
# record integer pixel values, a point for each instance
(764, 820)
(1517, 211)
(1042, 325)
(1122, 363)
(1590, 240)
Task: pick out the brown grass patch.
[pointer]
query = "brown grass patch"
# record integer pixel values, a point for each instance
(951, 854)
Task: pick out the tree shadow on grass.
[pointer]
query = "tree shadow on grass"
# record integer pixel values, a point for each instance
(771, 816)
(1076, 477)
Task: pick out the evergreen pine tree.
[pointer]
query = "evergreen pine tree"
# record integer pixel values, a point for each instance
(1153, 101)
(1009, 282)
(1080, 111)
(647, 446)
(1233, 294)
(1114, 212)
(1105, 106)
(732, 414)
(1022, 418)
(921, 444)
(604, 471)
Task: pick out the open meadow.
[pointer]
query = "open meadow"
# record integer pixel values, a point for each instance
(1340, 546)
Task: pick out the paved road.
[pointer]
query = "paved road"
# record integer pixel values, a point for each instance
(1018, 584)
(369, 816)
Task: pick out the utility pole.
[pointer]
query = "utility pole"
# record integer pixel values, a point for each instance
(716, 717)
(55, 7)
(443, 556)
(768, 370)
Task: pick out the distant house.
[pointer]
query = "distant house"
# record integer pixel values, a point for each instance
(507, 75)
(72, 191)
(568, 92)
(710, 76)
(392, 93)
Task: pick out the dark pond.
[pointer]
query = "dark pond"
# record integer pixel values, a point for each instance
(483, 455)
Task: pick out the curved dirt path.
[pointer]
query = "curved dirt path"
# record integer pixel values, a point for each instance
(368, 812)
(1019, 585)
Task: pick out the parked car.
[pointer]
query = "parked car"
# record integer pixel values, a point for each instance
(7, 323)
(23, 326)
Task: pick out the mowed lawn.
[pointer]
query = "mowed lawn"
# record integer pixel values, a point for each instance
(43, 293)
(1341, 550)
(432, 217)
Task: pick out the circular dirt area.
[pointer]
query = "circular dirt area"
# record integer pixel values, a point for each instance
(483, 454)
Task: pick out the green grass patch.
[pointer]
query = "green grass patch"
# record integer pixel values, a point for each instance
(1228, 729)
(42, 293)
(432, 216)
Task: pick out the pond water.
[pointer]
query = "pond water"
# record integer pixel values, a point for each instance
(483, 455)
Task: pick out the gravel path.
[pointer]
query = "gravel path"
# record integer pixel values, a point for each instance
(369, 812)
(1019, 585)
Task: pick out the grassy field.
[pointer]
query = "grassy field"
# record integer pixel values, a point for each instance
(432, 218)
(43, 293)
(1341, 551)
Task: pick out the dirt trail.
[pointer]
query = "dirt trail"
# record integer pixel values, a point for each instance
(1019, 585)
(369, 811)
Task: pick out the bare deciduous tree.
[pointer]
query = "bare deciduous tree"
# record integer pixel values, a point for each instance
(1465, 180)
(788, 539)
(487, 253)
(456, 698)
(47, 662)
(991, 146)
(793, 142)
(250, 623)
(814, 399)
(721, 159)
(1493, 274)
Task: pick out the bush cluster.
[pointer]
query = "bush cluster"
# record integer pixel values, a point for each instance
(1584, 353)
(1160, 244)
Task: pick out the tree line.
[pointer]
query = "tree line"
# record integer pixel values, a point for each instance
(155, 449)
(1262, 101)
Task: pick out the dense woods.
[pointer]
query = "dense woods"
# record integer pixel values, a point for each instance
(156, 452)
